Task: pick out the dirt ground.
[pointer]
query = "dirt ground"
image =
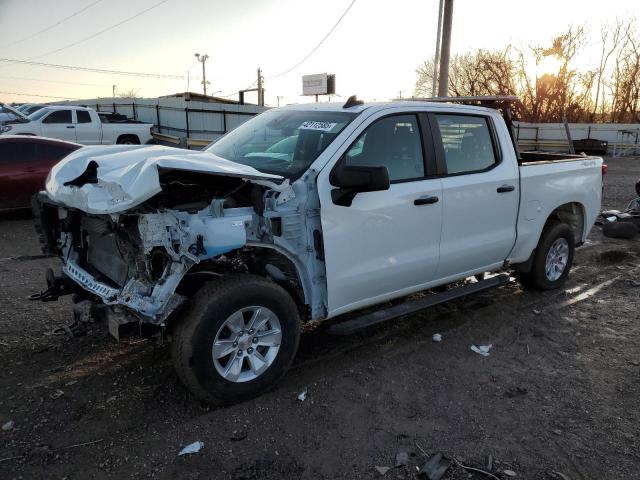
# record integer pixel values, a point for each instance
(558, 395)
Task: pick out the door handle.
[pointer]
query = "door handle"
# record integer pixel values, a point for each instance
(506, 188)
(70, 126)
(425, 200)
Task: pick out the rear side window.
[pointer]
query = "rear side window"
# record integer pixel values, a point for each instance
(393, 142)
(83, 116)
(59, 116)
(467, 142)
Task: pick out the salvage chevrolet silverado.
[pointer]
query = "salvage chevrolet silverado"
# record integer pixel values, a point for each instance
(306, 213)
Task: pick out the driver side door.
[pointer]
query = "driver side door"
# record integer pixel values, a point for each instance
(59, 124)
(386, 243)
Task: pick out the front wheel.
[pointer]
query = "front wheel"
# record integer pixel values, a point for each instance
(553, 258)
(237, 340)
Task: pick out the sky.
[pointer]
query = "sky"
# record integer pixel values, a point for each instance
(373, 52)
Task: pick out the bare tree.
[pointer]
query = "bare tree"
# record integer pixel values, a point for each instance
(131, 93)
(609, 90)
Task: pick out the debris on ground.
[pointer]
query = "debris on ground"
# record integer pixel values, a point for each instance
(436, 337)
(435, 467)
(57, 394)
(8, 426)
(510, 473)
(633, 283)
(191, 448)
(402, 459)
(482, 349)
(382, 470)
(303, 395)
(490, 463)
(560, 476)
(626, 230)
(238, 435)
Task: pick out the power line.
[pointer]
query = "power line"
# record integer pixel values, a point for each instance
(317, 46)
(37, 95)
(57, 81)
(94, 70)
(35, 34)
(78, 42)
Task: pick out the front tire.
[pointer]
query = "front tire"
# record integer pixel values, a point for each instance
(553, 258)
(237, 340)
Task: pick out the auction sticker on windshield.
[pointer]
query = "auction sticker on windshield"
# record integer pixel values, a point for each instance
(322, 126)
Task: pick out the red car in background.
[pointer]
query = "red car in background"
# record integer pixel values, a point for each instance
(25, 162)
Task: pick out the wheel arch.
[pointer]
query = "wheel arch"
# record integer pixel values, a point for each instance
(125, 136)
(571, 213)
(272, 262)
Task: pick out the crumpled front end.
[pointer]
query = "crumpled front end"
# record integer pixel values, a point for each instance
(137, 260)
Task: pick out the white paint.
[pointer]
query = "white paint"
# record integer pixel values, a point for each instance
(93, 133)
(128, 175)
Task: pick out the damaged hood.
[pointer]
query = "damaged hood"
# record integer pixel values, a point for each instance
(127, 175)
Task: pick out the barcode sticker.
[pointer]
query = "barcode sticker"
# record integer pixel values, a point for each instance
(322, 126)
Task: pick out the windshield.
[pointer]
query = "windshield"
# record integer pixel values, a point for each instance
(10, 110)
(284, 142)
(39, 114)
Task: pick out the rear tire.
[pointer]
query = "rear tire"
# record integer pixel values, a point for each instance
(626, 230)
(220, 320)
(552, 260)
(128, 140)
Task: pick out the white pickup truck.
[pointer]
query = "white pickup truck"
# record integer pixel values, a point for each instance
(77, 124)
(230, 250)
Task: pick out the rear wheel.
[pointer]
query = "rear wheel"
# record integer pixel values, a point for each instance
(553, 258)
(128, 140)
(237, 340)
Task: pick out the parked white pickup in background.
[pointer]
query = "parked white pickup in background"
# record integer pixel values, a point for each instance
(78, 124)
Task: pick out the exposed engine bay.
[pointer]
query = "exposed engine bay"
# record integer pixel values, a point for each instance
(149, 258)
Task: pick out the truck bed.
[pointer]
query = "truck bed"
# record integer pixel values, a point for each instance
(547, 157)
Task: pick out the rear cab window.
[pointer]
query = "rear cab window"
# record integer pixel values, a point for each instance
(83, 116)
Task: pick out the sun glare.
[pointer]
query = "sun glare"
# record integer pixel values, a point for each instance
(549, 65)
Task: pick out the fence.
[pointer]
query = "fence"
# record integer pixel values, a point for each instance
(622, 138)
(178, 121)
(195, 124)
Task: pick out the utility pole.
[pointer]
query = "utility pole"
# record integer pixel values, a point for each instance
(260, 89)
(436, 57)
(279, 97)
(447, 20)
(202, 59)
(113, 90)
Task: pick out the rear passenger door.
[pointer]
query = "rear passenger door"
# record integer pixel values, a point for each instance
(59, 124)
(87, 132)
(480, 190)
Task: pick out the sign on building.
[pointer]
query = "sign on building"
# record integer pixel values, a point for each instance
(319, 84)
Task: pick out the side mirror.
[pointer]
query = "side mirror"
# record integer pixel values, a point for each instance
(354, 179)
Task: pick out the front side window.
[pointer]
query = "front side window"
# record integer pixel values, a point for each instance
(467, 143)
(83, 116)
(393, 142)
(284, 142)
(59, 116)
